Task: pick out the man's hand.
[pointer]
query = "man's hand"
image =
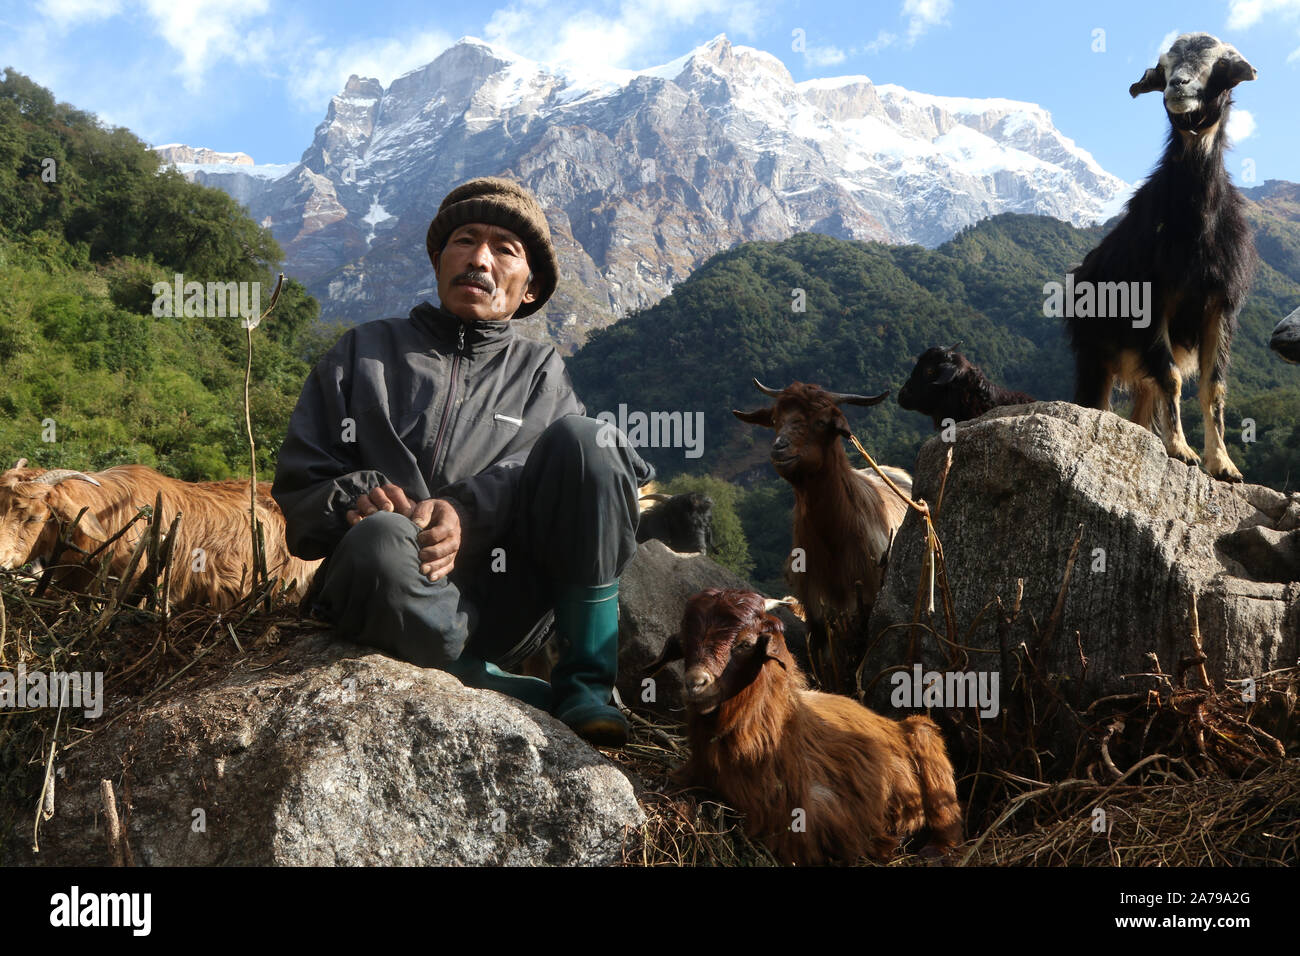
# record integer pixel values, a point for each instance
(440, 540)
(383, 498)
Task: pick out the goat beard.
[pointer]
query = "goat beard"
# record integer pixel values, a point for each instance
(1207, 114)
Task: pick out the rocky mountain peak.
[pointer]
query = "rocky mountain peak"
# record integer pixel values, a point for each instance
(646, 173)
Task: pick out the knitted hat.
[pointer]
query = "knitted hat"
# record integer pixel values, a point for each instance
(501, 203)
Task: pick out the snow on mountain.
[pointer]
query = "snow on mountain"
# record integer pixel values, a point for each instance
(647, 173)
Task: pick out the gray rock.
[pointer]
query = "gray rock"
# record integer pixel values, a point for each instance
(340, 757)
(1156, 534)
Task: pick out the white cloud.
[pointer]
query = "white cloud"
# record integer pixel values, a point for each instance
(613, 33)
(883, 39)
(920, 15)
(206, 32)
(1241, 124)
(75, 13)
(1243, 14)
(924, 14)
(825, 56)
(316, 76)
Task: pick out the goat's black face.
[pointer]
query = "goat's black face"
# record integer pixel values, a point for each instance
(1194, 74)
(934, 369)
(1286, 338)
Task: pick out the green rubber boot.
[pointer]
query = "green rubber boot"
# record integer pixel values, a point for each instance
(586, 630)
(474, 672)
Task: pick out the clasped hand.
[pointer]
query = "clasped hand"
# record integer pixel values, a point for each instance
(438, 521)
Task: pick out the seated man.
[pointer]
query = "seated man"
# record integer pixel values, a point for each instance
(447, 469)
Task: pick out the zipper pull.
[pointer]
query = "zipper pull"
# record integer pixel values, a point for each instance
(461, 346)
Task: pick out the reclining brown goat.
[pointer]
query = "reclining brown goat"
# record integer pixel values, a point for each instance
(819, 777)
(212, 557)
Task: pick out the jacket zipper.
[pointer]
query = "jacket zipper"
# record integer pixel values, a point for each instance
(451, 400)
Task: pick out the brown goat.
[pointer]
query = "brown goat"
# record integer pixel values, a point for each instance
(35, 505)
(819, 777)
(844, 518)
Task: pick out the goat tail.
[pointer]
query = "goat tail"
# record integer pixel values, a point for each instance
(938, 782)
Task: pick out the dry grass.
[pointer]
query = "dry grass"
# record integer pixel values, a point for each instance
(142, 648)
(1186, 776)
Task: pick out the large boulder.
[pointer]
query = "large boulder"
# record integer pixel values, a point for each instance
(339, 756)
(1156, 535)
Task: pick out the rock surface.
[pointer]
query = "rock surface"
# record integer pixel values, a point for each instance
(338, 756)
(1156, 534)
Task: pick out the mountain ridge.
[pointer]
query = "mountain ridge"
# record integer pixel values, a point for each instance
(647, 173)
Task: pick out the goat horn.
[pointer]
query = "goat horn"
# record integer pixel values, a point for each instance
(769, 604)
(774, 392)
(656, 496)
(62, 474)
(851, 399)
(21, 463)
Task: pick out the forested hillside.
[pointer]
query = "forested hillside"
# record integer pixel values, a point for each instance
(870, 309)
(88, 223)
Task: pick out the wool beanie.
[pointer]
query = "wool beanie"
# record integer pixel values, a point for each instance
(501, 203)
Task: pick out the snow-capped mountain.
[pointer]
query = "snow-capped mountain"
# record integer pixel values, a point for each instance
(645, 174)
(236, 173)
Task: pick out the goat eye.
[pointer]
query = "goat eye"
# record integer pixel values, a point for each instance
(932, 373)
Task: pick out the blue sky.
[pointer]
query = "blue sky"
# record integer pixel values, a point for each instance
(256, 75)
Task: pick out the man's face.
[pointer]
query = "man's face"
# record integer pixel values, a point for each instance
(483, 273)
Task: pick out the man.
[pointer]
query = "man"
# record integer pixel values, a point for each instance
(447, 469)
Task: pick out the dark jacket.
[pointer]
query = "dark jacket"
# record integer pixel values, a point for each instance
(439, 407)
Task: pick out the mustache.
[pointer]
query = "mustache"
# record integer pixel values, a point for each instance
(476, 277)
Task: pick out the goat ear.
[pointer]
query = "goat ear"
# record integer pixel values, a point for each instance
(761, 417)
(1227, 73)
(771, 642)
(672, 652)
(1152, 81)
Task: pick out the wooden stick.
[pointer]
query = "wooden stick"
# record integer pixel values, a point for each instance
(113, 827)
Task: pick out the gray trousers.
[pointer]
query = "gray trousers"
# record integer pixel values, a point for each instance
(574, 524)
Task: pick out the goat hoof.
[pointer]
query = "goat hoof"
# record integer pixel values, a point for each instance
(1186, 456)
(1221, 468)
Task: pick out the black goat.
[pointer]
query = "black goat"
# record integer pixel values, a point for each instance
(945, 384)
(1286, 337)
(683, 522)
(1184, 244)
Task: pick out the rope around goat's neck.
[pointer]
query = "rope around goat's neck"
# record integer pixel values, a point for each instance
(934, 550)
(920, 506)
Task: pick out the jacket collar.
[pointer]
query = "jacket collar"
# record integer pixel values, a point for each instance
(480, 335)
